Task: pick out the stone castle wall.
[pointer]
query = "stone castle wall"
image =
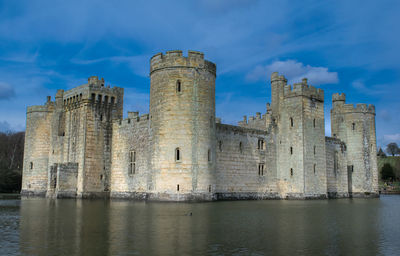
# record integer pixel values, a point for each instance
(80, 146)
(245, 169)
(336, 168)
(131, 174)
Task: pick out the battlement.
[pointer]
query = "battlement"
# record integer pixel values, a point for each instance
(175, 59)
(276, 77)
(133, 120)
(359, 108)
(92, 92)
(38, 108)
(338, 97)
(303, 89)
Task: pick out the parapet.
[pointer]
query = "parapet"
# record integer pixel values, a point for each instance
(255, 122)
(95, 81)
(338, 97)
(133, 120)
(175, 59)
(38, 108)
(303, 89)
(359, 108)
(276, 77)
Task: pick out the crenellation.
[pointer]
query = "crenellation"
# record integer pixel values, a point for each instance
(303, 89)
(175, 59)
(80, 146)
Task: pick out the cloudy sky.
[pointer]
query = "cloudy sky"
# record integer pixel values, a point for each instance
(341, 46)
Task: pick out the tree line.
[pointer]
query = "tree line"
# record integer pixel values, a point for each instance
(11, 161)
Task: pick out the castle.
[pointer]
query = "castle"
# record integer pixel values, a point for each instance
(80, 146)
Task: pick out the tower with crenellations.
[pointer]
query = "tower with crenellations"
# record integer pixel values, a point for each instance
(355, 126)
(298, 111)
(182, 113)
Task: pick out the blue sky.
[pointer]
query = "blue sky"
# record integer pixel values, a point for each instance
(341, 46)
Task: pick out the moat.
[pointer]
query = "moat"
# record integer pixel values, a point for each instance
(39, 226)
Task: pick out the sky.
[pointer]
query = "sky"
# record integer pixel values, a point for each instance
(340, 46)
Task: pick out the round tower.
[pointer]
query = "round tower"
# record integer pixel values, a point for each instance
(356, 127)
(36, 149)
(182, 112)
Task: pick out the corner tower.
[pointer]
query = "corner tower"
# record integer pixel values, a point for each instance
(182, 112)
(356, 127)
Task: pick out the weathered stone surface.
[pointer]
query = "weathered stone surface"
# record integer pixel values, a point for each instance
(79, 145)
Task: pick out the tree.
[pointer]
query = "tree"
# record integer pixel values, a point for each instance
(392, 149)
(387, 172)
(381, 153)
(11, 158)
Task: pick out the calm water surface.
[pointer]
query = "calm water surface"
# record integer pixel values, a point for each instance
(85, 227)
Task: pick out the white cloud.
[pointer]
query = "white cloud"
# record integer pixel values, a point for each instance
(294, 71)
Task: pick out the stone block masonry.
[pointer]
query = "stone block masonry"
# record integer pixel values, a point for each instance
(80, 146)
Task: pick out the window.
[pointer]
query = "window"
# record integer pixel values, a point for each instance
(315, 167)
(99, 98)
(177, 187)
(291, 171)
(101, 176)
(314, 150)
(177, 155)
(353, 126)
(314, 122)
(220, 145)
(291, 122)
(106, 99)
(261, 144)
(241, 148)
(112, 100)
(178, 86)
(101, 117)
(261, 169)
(132, 162)
(291, 150)
(31, 165)
(209, 188)
(209, 155)
(93, 97)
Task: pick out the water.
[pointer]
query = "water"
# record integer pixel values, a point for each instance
(97, 227)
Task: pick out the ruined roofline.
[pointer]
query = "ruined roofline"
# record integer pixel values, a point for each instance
(175, 59)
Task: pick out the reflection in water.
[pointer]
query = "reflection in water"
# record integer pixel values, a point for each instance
(97, 227)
